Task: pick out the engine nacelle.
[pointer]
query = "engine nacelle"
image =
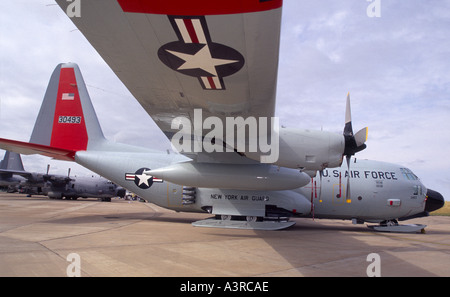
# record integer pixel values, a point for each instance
(307, 149)
(259, 177)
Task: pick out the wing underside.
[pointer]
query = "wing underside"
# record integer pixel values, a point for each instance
(177, 56)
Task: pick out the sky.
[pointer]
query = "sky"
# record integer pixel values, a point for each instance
(395, 66)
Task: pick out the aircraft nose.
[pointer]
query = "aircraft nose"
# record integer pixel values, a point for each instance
(434, 201)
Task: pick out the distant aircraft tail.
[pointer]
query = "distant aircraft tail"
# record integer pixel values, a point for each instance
(66, 122)
(12, 161)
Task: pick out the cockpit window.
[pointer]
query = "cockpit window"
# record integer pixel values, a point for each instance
(408, 174)
(418, 190)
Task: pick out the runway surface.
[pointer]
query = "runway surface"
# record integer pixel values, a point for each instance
(125, 238)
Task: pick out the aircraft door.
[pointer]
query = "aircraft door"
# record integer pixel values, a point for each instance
(174, 195)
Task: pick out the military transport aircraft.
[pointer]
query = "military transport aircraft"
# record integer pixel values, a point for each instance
(251, 195)
(14, 176)
(206, 72)
(11, 161)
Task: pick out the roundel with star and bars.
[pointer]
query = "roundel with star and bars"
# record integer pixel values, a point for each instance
(196, 55)
(141, 179)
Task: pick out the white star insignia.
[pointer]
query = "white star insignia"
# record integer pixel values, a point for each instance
(201, 60)
(143, 179)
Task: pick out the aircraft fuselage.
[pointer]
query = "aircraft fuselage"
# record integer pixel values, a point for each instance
(379, 191)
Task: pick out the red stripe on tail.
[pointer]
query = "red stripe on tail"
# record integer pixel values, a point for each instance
(69, 128)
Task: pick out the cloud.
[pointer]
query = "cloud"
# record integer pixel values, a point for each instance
(35, 37)
(395, 67)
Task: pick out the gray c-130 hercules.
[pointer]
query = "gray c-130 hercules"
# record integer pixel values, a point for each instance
(179, 57)
(252, 196)
(16, 178)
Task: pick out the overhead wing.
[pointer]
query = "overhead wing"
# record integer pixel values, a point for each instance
(57, 180)
(175, 56)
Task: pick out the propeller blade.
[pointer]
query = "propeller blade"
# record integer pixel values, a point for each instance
(320, 189)
(348, 129)
(361, 137)
(353, 143)
(347, 190)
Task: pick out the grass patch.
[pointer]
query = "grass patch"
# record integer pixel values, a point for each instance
(444, 211)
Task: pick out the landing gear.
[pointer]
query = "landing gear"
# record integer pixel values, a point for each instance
(244, 222)
(239, 218)
(393, 226)
(389, 223)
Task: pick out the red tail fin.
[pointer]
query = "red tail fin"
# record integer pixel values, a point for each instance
(66, 118)
(69, 128)
(66, 122)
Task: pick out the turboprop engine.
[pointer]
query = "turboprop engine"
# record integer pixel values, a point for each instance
(312, 150)
(258, 177)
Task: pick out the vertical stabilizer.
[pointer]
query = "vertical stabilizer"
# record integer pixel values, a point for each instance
(12, 161)
(67, 119)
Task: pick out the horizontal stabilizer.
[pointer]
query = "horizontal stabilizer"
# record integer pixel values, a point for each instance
(27, 148)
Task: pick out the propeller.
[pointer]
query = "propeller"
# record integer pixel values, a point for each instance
(45, 176)
(68, 179)
(353, 142)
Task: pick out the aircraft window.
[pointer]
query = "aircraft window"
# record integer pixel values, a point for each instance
(417, 190)
(408, 174)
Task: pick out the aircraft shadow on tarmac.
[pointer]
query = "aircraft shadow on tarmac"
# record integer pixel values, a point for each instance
(312, 248)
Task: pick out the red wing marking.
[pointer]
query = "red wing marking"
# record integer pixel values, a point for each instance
(198, 7)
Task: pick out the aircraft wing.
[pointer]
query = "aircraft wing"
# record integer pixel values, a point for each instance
(16, 172)
(175, 56)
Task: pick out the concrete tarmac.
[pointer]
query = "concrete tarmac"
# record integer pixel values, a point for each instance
(129, 238)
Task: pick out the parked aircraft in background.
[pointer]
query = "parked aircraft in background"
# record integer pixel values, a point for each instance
(11, 161)
(14, 176)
